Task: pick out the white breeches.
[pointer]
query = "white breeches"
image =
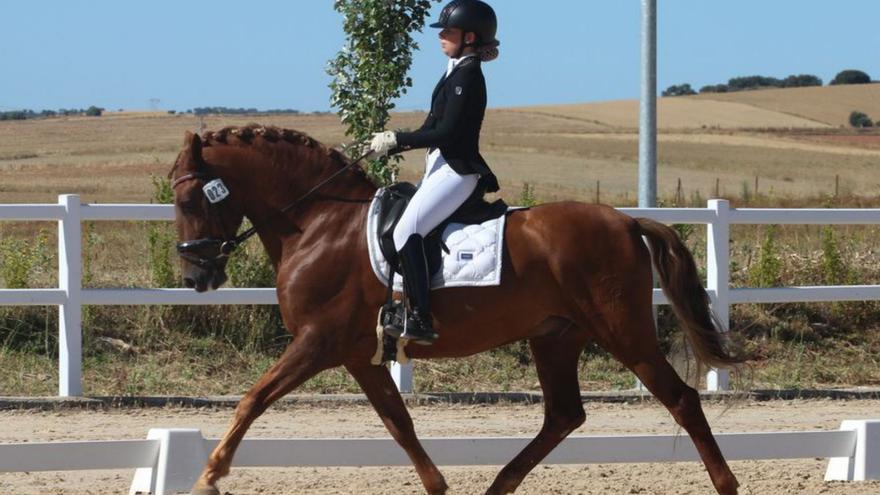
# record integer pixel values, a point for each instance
(441, 192)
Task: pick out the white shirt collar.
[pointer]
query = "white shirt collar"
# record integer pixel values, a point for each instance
(453, 62)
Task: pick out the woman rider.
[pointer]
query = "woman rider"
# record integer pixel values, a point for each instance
(451, 133)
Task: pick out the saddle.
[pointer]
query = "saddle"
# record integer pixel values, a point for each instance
(394, 199)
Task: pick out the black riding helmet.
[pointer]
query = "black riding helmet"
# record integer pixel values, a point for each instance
(471, 16)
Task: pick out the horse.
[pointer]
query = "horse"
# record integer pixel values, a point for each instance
(573, 273)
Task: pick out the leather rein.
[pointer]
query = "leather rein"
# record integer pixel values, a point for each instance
(190, 250)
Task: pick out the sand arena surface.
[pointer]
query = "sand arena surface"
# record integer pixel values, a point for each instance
(335, 420)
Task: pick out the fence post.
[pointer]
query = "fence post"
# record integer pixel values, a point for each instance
(403, 376)
(864, 463)
(182, 454)
(70, 313)
(718, 278)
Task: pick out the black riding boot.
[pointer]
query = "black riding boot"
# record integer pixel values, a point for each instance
(414, 264)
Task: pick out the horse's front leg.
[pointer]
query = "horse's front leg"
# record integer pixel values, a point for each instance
(377, 384)
(305, 357)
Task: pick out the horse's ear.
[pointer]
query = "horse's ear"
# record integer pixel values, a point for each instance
(194, 144)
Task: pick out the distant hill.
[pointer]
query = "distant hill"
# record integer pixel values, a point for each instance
(830, 105)
(813, 107)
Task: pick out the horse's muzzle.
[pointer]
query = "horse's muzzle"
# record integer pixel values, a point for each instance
(206, 267)
(202, 279)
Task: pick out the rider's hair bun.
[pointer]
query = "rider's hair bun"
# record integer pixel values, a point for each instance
(488, 54)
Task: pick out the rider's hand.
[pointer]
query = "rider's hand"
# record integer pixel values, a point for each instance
(382, 143)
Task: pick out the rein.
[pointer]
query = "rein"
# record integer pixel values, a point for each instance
(188, 250)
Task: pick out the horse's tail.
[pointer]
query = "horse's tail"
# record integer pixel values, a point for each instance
(682, 285)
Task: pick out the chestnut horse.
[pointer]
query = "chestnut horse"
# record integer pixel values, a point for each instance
(572, 273)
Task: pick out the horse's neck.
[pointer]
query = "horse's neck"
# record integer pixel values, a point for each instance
(271, 188)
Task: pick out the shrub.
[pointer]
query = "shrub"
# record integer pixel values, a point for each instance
(679, 90)
(767, 272)
(835, 271)
(527, 196)
(851, 77)
(859, 119)
(161, 239)
(25, 328)
(21, 260)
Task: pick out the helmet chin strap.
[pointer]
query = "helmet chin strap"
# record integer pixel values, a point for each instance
(462, 45)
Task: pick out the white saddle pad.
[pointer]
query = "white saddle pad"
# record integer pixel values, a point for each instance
(474, 258)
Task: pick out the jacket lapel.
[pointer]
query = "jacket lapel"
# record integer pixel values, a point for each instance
(437, 88)
(465, 62)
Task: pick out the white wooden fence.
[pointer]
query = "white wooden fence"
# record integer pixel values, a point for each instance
(170, 460)
(70, 295)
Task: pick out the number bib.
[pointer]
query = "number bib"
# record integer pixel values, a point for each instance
(215, 191)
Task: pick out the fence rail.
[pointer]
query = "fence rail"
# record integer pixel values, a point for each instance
(70, 296)
(170, 460)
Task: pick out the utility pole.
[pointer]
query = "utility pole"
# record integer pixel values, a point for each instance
(648, 108)
(648, 118)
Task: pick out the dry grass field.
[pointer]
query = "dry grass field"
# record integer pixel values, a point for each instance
(679, 113)
(790, 141)
(830, 105)
(812, 107)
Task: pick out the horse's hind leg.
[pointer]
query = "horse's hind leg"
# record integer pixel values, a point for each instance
(632, 340)
(556, 357)
(303, 359)
(377, 384)
(684, 404)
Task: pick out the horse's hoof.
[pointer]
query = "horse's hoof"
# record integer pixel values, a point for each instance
(201, 489)
(438, 490)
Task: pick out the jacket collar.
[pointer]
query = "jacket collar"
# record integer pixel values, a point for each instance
(455, 62)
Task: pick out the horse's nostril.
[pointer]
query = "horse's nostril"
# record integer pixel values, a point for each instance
(189, 282)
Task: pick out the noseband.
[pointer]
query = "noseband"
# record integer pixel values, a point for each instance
(191, 250)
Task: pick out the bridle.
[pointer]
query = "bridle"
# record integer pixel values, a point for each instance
(191, 250)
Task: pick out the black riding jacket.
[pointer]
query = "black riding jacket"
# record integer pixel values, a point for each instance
(453, 125)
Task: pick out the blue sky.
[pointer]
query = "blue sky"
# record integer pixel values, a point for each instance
(272, 54)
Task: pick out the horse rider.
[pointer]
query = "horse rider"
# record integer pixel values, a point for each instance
(454, 168)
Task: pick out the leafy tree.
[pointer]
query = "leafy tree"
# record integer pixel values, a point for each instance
(370, 70)
(239, 111)
(753, 82)
(859, 119)
(801, 81)
(714, 88)
(679, 90)
(14, 115)
(94, 111)
(851, 77)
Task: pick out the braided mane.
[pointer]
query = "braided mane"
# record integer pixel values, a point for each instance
(246, 136)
